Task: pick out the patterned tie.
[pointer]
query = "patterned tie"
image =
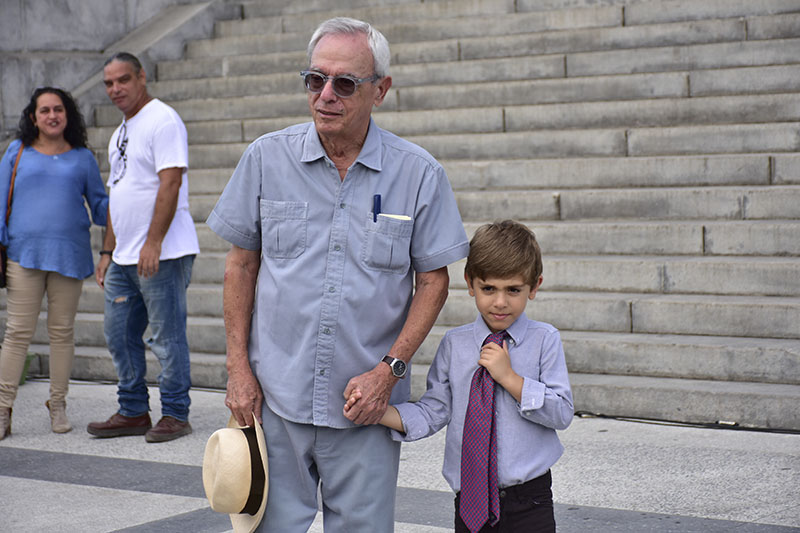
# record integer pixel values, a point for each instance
(479, 500)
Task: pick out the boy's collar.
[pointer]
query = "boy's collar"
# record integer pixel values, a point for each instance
(516, 330)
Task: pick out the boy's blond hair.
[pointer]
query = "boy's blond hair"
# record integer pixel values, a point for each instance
(504, 250)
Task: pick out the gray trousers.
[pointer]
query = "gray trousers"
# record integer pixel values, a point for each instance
(355, 470)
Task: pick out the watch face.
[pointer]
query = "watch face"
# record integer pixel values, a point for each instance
(399, 368)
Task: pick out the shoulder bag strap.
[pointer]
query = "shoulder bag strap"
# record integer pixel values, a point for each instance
(13, 177)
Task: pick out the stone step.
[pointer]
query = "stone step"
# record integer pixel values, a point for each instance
(746, 80)
(629, 37)
(666, 112)
(93, 363)
(695, 401)
(514, 92)
(606, 89)
(421, 22)
(679, 10)
(289, 81)
(684, 356)
(567, 143)
(686, 140)
(614, 172)
(637, 274)
(260, 8)
(680, 140)
(682, 314)
(767, 276)
(626, 237)
(680, 356)
(674, 203)
(236, 65)
(574, 173)
(721, 316)
(680, 58)
(424, 22)
(755, 404)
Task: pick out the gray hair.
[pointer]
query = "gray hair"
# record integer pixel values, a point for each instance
(378, 44)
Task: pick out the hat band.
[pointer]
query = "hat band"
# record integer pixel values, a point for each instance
(257, 473)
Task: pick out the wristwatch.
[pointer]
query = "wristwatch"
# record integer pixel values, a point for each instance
(398, 366)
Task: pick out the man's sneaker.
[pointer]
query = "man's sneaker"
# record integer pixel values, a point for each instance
(168, 428)
(120, 426)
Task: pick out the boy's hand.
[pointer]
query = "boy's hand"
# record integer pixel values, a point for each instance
(496, 360)
(355, 395)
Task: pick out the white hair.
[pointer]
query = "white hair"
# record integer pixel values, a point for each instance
(378, 44)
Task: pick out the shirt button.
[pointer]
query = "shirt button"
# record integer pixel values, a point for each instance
(322, 372)
(326, 331)
(331, 289)
(337, 247)
(342, 205)
(502, 494)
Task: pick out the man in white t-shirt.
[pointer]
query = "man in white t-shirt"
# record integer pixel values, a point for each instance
(146, 262)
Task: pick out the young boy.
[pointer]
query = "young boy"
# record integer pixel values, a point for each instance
(531, 398)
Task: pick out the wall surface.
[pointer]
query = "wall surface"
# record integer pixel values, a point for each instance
(64, 42)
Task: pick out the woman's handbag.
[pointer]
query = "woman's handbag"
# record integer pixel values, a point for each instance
(3, 255)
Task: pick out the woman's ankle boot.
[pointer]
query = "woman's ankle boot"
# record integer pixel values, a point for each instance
(5, 422)
(58, 416)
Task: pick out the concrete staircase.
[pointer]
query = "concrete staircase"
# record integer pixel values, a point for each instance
(651, 145)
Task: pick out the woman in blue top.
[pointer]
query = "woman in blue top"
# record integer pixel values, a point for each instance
(48, 241)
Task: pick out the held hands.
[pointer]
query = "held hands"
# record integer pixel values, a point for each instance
(391, 418)
(355, 395)
(374, 388)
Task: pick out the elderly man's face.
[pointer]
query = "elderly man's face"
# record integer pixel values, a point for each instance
(345, 119)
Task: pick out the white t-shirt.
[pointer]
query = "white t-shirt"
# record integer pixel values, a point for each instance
(152, 140)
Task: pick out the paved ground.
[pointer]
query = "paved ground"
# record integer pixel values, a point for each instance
(615, 476)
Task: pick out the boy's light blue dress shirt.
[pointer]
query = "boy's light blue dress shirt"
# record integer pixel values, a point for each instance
(49, 225)
(527, 443)
(334, 285)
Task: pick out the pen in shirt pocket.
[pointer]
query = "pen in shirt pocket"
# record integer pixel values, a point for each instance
(376, 207)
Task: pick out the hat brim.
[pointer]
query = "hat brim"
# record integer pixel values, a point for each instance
(243, 522)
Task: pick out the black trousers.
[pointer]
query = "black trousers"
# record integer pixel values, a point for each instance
(525, 508)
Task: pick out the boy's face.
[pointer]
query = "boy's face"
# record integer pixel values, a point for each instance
(500, 301)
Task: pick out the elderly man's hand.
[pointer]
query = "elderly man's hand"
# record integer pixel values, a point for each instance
(376, 387)
(244, 396)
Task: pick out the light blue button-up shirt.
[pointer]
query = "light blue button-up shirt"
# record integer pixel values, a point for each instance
(527, 443)
(334, 285)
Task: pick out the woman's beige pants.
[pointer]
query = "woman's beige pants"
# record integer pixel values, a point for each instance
(26, 287)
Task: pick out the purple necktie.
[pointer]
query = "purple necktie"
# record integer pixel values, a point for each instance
(479, 499)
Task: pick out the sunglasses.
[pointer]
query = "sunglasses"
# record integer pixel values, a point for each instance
(343, 86)
(122, 162)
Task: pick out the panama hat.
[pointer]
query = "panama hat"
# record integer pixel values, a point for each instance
(235, 474)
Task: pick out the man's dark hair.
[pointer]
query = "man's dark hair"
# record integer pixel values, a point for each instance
(127, 58)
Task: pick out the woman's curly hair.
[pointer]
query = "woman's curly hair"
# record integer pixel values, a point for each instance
(74, 133)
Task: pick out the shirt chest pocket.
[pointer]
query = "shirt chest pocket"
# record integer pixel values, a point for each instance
(284, 228)
(387, 244)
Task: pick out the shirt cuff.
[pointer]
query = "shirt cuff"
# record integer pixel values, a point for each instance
(532, 394)
(413, 423)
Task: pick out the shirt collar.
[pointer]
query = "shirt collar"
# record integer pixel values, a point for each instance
(516, 330)
(370, 155)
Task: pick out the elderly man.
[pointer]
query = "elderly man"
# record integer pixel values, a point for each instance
(331, 224)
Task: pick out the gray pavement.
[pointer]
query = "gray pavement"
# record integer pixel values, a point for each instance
(617, 476)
